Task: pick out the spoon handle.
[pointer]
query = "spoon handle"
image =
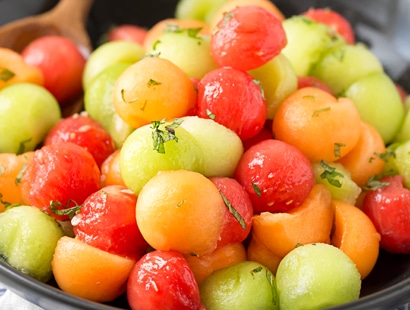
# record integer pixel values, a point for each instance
(69, 17)
(75, 10)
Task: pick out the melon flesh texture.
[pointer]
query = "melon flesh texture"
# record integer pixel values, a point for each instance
(28, 238)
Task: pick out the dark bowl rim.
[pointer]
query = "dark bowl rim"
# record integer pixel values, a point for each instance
(30, 289)
(40, 293)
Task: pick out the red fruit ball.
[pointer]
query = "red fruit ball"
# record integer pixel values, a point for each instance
(239, 211)
(62, 65)
(247, 37)
(277, 176)
(107, 221)
(163, 280)
(389, 209)
(127, 32)
(61, 176)
(232, 98)
(84, 131)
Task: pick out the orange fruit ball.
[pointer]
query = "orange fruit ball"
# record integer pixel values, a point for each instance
(152, 89)
(181, 210)
(87, 272)
(13, 69)
(322, 126)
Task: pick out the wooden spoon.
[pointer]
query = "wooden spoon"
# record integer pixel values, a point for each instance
(67, 18)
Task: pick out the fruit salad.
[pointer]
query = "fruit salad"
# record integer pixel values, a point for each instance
(228, 157)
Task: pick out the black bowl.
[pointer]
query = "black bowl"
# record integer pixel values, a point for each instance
(387, 287)
(383, 25)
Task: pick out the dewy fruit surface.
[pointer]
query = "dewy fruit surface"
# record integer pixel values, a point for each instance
(225, 152)
(187, 217)
(316, 276)
(245, 285)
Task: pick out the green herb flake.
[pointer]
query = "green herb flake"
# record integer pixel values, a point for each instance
(333, 34)
(2, 170)
(6, 204)
(336, 149)
(270, 278)
(152, 82)
(257, 82)
(256, 270)
(123, 97)
(160, 137)
(210, 114)
(173, 27)
(257, 190)
(22, 146)
(306, 20)
(55, 207)
(155, 45)
(151, 55)
(233, 211)
(193, 32)
(23, 169)
(311, 97)
(331, 174)
(226, 18)
(6, 75)
(386, 155)
(316, 113)
(374, 183)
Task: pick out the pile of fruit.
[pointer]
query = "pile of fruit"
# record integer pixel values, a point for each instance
(226, 158)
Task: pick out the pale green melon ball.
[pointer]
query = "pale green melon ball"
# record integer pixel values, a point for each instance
(316, 276)
(246, 285)
(28, 238)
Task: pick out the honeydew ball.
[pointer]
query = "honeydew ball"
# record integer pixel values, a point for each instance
(316, 276)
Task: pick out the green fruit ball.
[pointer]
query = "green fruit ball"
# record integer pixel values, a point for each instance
(108, 54)
(198, 9)
(278, 79)
(343, 65)
(404, 133)
(307, 42)
(28, 238)
(187, 49)
(98, 102)
(245, 285)
(140, 160)
(316, 276)
(399, 161)
(337, 180)
(222, 147)
(375, 96)
(28, 112)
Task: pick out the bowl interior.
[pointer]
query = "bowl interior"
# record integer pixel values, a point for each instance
(378, 23)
